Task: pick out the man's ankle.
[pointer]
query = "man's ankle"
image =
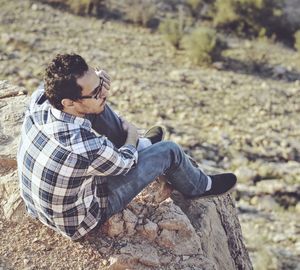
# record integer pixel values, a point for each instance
(143, 143)
(209, 183)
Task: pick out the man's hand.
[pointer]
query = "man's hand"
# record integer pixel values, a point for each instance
(104, 75)
(132, 132)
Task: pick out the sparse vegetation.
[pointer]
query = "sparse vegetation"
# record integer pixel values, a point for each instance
(297, 40)
(257, 62)
(79, 7)
(200, 45)
(246, 18)
(249, 17)
(85, 7)
(172, 30)
(194, 6)
(140, 12)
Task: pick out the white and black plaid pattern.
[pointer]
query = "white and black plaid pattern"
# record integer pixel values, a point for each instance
(62, 166)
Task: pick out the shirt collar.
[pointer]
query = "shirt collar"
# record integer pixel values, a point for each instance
(69, 118)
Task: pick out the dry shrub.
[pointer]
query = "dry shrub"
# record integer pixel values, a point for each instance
(140, 12)
(297, 40)
(200, 45)
(174, 29)
(194, 6)
(79, 7)
(225, 12)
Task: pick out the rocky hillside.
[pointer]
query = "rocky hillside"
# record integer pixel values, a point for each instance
(240, 115)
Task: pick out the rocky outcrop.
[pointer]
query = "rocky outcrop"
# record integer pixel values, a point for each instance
(12, 105)
(203, 234)
(155, 231)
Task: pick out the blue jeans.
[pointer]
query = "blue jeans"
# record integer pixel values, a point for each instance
(165, 157)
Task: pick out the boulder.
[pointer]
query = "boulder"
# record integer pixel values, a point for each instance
(13, 102)
(155, 231)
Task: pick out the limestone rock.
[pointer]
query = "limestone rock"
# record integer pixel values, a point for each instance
(130, 221)
(177, 233)
(213, 220)
(167, 239)
(122, 262)
(149, 230)
(11, 115)
(267, 203)
(161, 190)
(114, 226)
(145, 254)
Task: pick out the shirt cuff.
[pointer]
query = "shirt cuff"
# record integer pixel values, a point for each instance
(133, 150)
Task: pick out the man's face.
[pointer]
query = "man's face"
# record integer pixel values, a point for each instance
(91, 85)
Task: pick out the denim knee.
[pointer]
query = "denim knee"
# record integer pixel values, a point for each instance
(174, 152)
(170, 145)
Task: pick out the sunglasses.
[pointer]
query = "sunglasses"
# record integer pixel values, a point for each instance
(97, 91)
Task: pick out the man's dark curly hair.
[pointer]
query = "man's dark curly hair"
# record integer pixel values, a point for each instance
(60, 78)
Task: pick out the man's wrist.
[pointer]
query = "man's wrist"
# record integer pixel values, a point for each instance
(131, 140)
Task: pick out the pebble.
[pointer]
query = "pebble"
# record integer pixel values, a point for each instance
(34, 7)
(105, 262)
(279, 238)
(177, 259)
(267, 203)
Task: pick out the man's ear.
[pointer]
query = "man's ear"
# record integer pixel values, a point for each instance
(67, 103)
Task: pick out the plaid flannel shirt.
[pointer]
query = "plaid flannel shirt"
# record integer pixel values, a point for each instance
(62, 165)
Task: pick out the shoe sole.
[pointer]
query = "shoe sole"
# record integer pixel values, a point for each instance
(163, 132)
(213, 196)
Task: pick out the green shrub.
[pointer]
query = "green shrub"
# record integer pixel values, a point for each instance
(200, 45)
(84, 7)
(225, 12)
(194, 6)
(172, 29)
(140, 12)
(297, 40)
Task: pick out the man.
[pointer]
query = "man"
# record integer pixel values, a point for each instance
(78, 161)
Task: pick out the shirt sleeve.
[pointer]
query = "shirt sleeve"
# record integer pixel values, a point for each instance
(109, 160)
(110, 125)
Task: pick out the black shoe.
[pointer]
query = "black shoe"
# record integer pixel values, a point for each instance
(155, 134)
(221, 184)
